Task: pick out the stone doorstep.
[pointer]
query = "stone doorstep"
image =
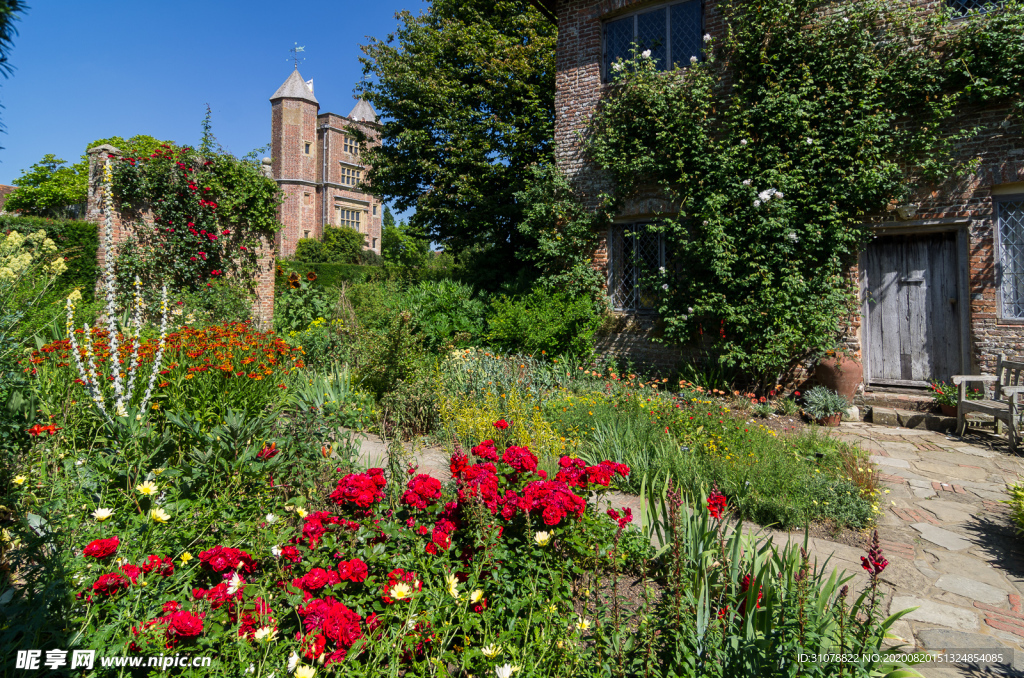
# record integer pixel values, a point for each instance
(903, 401)
(887, 416)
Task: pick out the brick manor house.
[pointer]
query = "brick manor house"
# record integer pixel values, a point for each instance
(942, 281)
(315, 160)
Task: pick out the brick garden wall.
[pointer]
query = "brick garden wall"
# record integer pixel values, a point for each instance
(998, 145)
(123, 225)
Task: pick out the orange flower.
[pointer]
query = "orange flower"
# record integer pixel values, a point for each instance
(311, 276)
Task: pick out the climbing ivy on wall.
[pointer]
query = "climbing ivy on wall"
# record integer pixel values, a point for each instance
(209, 212)
(803, 119)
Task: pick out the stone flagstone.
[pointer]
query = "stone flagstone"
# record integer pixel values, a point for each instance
(935, 613)
(969, 588)
(942, 537)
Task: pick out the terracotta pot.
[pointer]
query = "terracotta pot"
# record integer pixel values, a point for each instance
(832, 420)
(841, 374)
(948, 410)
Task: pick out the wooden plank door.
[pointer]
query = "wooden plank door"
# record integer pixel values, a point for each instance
(913, 316)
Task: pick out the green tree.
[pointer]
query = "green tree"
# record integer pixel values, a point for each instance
(401, 244)
(50, 188)
(466, 96)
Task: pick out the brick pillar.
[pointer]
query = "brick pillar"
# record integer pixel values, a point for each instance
(94, 212)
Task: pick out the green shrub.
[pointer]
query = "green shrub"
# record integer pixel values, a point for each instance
(543, 321)
(295, 310)
(446, 313)
(820, 402)
(311, 250)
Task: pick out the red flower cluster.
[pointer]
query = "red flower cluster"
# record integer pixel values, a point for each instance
(400, 576)
(749, 581)
(480, 480)
(225, 559)
(361, 489)
(176, 624)
(109, 584)
(520, 459)
(326, 619)
(552, 499)
(348, 570)
(486, 450)
(39, 430)
(501, 424)
(576, 473)
(260, 615)
(268, 452)
(162, 566)
(423, 491)
(875, 562)
(625, 519)
(716, 503)
(101, 548)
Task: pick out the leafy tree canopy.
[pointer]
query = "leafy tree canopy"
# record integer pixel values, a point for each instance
(466, 97)
(401, 243)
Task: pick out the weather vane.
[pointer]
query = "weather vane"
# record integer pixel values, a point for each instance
(295, 55)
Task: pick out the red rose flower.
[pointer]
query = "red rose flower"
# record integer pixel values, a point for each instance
(501, 424)
(109, 584)
(101, 548)
(183, 624)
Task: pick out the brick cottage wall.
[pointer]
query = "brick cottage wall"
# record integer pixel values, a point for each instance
(124, 224)
(998, 145)
(293, 124)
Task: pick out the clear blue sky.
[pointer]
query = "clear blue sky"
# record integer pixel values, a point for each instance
(86, 70)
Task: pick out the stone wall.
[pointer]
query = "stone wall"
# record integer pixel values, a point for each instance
(124, 223)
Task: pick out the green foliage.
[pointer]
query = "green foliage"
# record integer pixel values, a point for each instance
(138, 146)
(50, 188)
(830, 115)
(339, 246)
(566, 234)
(333, 275)
(821, 402)
(465, 91)
(210, 213)
(299, 307)
(402, 244)
(543, 321)
(77, 241)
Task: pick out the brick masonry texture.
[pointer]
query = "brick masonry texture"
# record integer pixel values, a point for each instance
(263, 305)
(312, 182)
(998, 147)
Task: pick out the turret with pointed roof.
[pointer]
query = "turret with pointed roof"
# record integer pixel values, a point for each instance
(295, 88)
(363, 112)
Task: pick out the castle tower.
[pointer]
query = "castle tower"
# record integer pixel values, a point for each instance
(295, 156)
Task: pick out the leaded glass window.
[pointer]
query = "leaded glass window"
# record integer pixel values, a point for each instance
(1010, 219)
(635, 254)
(965, 6)
(673, 33)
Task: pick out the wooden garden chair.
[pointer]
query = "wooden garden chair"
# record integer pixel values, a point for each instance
(1003, 406)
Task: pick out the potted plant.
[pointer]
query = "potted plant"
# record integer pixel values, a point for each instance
(840, 371)
(825, 406)
(946, 396)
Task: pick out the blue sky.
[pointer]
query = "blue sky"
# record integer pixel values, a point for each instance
(88, 70)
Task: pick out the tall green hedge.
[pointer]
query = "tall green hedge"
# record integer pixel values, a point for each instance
(336, 274)
(78, 240)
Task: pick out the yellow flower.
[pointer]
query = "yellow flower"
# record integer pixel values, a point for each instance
(301, 512)
(542, 538)
(305, 672)
(452, 582)
(401, 591)
(147, 488)
(476, 596)
(583, 624)
(491, 651)
(159, 515)
(185, 557)
(102, 514)
(19, 480)
(158, 471)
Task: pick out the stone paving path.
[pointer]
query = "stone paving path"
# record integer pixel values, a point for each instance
(952, 549)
